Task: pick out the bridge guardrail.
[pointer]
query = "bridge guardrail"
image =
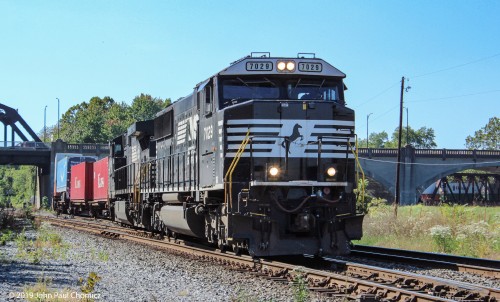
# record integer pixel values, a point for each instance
(443, 153)
(22, 145)
(88, 148)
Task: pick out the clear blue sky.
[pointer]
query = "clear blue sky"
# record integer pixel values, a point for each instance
(74, 50)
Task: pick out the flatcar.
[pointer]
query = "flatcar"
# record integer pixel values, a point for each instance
(258, 157)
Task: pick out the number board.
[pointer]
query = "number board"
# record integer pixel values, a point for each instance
(259, 66)
(310, 67)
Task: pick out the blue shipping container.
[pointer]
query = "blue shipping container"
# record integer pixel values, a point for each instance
(64, 169)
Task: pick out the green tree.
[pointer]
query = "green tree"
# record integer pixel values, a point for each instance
(16, 184)
(70, 126)
(84, 123)
(144, 107)
(486, 138)
(117, 120)
(101, 119)
(375, 140)
(421, 138)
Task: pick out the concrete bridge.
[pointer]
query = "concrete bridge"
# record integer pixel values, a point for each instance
(422, 167)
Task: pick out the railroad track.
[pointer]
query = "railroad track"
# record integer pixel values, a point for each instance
(356, 281)
(483, 267)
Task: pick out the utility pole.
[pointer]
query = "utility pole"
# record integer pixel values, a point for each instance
(367, 117)
(398, 164)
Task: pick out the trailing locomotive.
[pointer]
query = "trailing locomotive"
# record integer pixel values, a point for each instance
(259, 157)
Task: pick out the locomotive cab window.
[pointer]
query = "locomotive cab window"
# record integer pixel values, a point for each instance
(207, 95)
(243, 88)
(248, 88)
(314, 89)
(205, 99)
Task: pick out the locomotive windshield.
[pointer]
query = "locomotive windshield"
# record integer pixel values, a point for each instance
(244, 88)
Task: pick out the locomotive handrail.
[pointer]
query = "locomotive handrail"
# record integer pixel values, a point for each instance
(231, 168)
(358, 164)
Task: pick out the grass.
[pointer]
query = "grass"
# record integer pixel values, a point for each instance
(461, 230)
(100, 255)
(5, 236)
(47, 245)
(41, 290)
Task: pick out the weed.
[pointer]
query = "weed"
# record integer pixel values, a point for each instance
(458, 229)
(38, 290)
(26, 213)
(474, 239)
(244, 297)
(6, 219)
(103, 256)
(41, 291)
(300, 291)
(443, 238)
(47, 245)
(7, 235)
(88, 285)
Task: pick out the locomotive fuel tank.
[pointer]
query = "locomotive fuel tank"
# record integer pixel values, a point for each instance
(122, 213)
(183, 220)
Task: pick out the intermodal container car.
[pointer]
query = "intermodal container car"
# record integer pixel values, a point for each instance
(63, 172)
(81, 182)
(101, 176)
(57, 172)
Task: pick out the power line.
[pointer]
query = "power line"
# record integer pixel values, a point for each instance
(385, 113)
(457, 66)
(423, 164)
(455, 96)
(377, 95)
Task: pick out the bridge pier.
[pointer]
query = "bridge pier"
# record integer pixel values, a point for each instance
(43, 186)
(408, 177)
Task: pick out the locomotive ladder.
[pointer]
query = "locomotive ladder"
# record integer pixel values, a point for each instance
(230, 170)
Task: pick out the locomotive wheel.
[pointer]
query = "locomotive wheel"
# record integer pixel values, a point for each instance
(221, 246)
(237, 250)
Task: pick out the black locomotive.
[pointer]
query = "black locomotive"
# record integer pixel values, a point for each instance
(260, 157)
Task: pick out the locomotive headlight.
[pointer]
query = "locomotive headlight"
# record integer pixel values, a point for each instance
(273, 171)
(290, 66)
(331, 171)
(281, 66)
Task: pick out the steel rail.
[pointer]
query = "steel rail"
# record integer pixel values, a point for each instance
(354, 285)
(479, 266)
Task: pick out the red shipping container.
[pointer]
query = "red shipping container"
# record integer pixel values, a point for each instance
(81, 182)
(101, 176)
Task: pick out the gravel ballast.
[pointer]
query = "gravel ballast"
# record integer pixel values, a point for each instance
(133, 272)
